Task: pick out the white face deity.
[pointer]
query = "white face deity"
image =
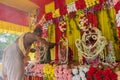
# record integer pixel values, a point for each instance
(90, 36)
(92, 44)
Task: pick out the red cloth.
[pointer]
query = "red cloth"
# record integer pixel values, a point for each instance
(58, 35)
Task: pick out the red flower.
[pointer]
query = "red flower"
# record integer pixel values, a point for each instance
(92, 70)
(117, 7)
(80, 4)
(48, 16)
(63, 10)
(101, 74)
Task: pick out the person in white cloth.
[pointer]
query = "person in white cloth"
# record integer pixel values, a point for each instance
(16, 53)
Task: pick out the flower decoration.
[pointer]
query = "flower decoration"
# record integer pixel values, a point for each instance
(83, 21)
(63, 10)
(62, 25)
(48, 16)
(75, 73)
(83, 71)
(96, 73)
(42, 21)
(49, 73)
(38, 70)
(110, 58)
(90, 3)
(71, 7)
(79, 73)
(80, 4)
(63, 73)
(117, 7)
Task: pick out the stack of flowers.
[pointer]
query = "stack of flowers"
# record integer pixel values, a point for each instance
(49, 72)
(63, 73)
(79, 73)
(97, 73)
(38, 70)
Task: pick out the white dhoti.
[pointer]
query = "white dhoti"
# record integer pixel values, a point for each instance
(13, 65)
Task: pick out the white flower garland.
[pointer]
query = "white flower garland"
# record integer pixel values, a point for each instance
(62, 25)
(64, 42)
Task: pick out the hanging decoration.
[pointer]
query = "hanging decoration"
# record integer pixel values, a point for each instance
(62, 25)
(90, 3)
(71, 7)
(82, 22)
(63, 50)
(33, 18)
(110, 57)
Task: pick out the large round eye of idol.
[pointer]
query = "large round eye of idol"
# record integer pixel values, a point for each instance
(94, 37)
(87, 32)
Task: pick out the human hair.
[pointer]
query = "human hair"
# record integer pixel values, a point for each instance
(37, 30)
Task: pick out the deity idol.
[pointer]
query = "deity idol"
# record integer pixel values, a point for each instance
(91, 45)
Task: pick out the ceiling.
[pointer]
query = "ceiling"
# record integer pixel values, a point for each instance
(24, 5)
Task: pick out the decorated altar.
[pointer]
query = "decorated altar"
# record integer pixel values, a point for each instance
(88, 37)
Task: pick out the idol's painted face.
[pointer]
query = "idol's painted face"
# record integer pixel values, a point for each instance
(91, 36)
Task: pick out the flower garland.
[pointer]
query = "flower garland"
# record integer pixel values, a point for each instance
(62, 25)
(110, 58)
(63, 50)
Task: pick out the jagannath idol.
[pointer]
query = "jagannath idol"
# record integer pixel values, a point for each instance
(91, 46)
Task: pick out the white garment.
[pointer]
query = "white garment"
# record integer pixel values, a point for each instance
(13, 65)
